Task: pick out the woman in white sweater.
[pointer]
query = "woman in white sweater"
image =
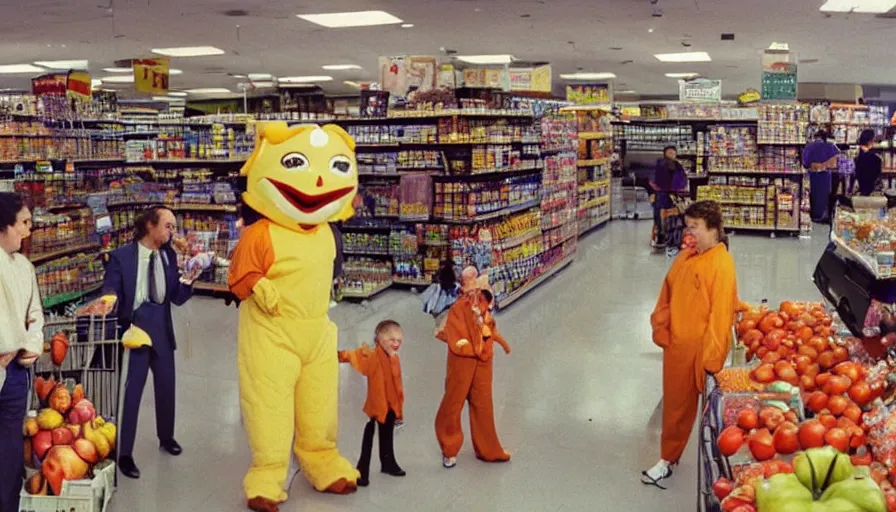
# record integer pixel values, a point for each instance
(21, 341)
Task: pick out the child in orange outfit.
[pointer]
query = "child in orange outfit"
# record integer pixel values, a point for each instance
(385, 395)
(692, 324)
(470, 331)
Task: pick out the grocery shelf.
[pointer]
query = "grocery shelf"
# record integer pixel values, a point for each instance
(594, 203)
(587, 226)
(410, 282)
(228, 208)
(356, 227)
(56, 300)
(493, 174)
(595, 135)
(754, 173)
(516, 241)
(361, 295)
(37, 259)
(510, 210)
(360, 252)
(526, 288)
(588, 163)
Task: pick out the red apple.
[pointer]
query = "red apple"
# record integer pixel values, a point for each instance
(62, 435)
(62, 463)
(82, 412)
(86, 450)
(41, 443)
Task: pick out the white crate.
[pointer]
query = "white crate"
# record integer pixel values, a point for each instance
(77, 495)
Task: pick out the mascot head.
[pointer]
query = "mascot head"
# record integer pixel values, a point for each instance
(301, 176)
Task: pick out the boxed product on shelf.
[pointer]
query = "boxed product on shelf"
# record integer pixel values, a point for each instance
(732, 148)
(461, 200)
(781, 159)
(53, 232)
(365, 243)
(415, 201)
(365, 276)
(69, 277)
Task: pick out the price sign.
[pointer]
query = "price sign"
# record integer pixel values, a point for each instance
(151, 75)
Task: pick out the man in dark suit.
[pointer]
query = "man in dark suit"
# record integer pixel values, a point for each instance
(145, 277)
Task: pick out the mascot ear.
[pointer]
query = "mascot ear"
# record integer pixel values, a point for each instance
(341, 133)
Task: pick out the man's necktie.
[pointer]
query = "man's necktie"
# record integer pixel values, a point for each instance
(156, 278)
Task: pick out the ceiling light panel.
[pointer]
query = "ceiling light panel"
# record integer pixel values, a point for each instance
(118, 70)
(257, 76)
(683, 57)
(210, 90)
(178, 94)
(118, 79)
(682, 75)
(587, 76)
(486, 59)
(341, 67)
(304, 79)
(351, 19)
(9, 69)
(189, 51)
(62, 64)
(859, 6)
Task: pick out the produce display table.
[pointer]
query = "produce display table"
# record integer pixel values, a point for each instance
(805, 395)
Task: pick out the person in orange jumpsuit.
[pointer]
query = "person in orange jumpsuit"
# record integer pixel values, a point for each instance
(470, 333)
(385, 395)
(692, 324)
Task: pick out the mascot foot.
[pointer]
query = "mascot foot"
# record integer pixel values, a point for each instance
(259, 504)
(342, 486)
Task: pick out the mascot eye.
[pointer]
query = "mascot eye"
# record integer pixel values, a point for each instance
(340, 165)
(294, 161)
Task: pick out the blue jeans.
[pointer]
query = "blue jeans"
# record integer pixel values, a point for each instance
(13, 406)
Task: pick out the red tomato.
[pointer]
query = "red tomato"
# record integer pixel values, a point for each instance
(837, 438)
(791, 417)
(771, 357)
(822, 379)
(722, 488)
(848, 369)
(819, 344)
(837, 385)
(860, 392)
(837, 404)
(764, 373)
(805, 333)
(771, 417)
(811, 434)
(812, 370)
(807, 383)
(861, 460)
(840, 354)
(747, 419)
(828, 420)
(854, 413)
(817, 402)
(786, 438)
(801, 362)
(826, 359)
(730, 440)
(806, 350)
(762, 445)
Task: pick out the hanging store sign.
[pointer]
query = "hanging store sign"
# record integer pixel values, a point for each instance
(53, 84)
(403, 75)
(537, 79)
(78, 85)
(151, 75)
(589, 94)
(700, 91)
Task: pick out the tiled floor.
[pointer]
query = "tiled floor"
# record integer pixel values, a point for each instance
(576, 402)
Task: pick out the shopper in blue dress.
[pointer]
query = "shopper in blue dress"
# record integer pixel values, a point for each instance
(819, 157)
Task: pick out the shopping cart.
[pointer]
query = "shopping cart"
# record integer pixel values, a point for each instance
(92, 360)
(672, 223)
(636, 202)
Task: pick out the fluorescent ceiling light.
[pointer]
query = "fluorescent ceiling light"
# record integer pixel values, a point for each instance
(683, 57)
(350, 83)
(173, 72)
(259, 76)
(189, 51)
(178, 94)
(407, 25)
(341, 67)
(351, 19)
(95, 84)
(9, 69)
(587, 76)
(304, 79)
(627, 91)
(164, 98)
(858, 6)
(264, 84)
(119, 79)
(62, 64)
(486, 59)
(682, 75)
(118, 70)
(210, 90)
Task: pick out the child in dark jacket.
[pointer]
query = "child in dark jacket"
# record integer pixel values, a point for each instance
(385, 395)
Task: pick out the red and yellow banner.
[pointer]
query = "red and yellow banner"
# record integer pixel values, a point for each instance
(151, 75)
(78, 85)
(52, 84)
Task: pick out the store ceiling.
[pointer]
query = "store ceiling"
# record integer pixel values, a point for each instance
(265, 36)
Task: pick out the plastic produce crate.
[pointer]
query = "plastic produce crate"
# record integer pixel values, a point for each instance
(77, 496)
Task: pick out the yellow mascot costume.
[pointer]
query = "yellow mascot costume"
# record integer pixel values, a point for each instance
(298, 179)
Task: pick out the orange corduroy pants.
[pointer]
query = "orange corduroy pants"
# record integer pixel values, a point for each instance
(468, 379)
(681, 398)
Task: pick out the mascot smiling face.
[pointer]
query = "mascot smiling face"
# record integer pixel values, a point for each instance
(302, 176)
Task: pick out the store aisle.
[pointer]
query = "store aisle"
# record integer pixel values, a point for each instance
(576, 402)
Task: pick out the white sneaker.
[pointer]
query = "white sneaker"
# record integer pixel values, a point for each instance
(660, 471)
(449, 462)
(399, 424)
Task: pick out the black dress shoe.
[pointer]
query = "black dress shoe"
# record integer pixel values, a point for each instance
(128, 468)
(394, 471)
(171, 447)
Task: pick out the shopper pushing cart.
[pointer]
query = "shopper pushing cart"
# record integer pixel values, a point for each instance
(669, 182)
